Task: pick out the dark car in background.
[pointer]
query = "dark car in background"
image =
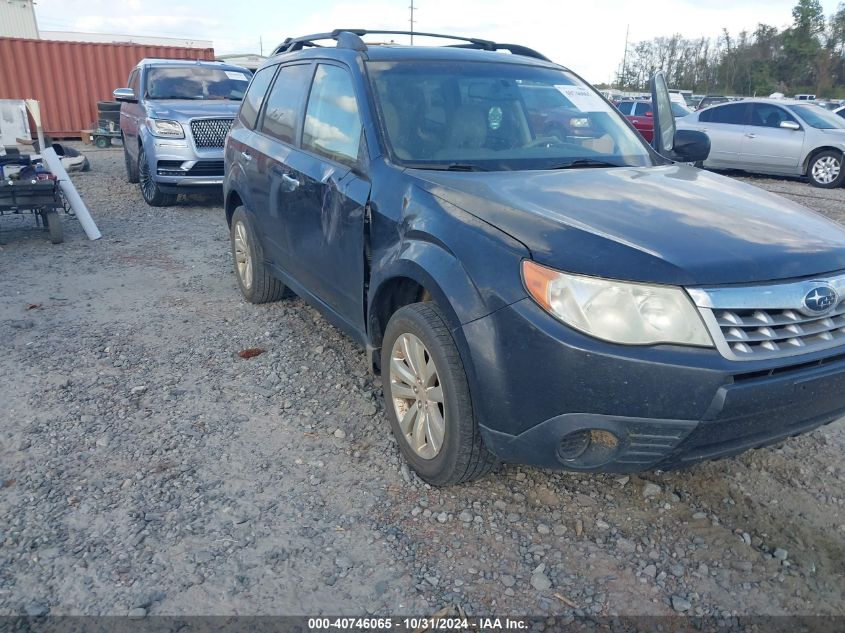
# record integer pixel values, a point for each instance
(174, 117)
(563, 296)
(710, 100)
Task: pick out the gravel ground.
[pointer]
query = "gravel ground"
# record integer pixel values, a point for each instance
(146, 468)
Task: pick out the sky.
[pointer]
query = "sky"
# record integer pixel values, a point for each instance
(588, 37)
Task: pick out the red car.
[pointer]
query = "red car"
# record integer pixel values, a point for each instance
(639, 114)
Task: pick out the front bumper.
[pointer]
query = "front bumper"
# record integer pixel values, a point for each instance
(536, 384)
(179, 167)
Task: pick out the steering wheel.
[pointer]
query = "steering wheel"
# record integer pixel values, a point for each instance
(544, 141)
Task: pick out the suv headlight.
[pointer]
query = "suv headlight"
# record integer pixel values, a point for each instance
(617, 311)
(165, 129)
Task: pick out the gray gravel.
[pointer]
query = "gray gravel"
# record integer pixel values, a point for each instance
(147, 469)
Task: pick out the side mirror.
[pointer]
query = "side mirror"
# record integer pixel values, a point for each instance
(664, 121)
(127, 95)
(789, 125)
(651, 114)
(691, 146)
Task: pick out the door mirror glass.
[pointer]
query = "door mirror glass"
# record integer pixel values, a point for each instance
(664, 120)
(790, 125)
(124, 94)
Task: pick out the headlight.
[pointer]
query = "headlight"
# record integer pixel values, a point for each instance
(165, 128)
(617, 311)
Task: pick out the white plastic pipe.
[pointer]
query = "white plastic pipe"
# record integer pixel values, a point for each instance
(79, 208)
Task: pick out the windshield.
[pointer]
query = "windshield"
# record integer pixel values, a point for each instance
(196, 82)
(818, 117)
(488, 116)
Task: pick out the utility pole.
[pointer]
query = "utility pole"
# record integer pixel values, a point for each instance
(261, 45)
(624, 58)
(412, 22)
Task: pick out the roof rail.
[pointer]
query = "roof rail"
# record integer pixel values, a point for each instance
(351, 38)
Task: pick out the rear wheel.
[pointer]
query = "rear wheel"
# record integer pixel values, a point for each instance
(150, 190)
(255, 281)
(427, 398)
(825, 169)
(54, 225)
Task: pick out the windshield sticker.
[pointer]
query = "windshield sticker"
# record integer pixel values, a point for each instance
(236, 75)
(494, 117)
(583, 98)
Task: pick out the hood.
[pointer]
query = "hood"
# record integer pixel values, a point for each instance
(183, 110)
(672, 224)
(837, 135)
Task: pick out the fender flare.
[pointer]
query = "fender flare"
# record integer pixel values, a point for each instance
(235, 183)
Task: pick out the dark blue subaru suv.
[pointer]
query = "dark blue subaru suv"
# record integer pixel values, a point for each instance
(533, 282)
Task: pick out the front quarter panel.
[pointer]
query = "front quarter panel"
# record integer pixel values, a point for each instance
(470, 267)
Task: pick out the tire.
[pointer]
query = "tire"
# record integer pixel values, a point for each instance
(461, 455)
(257, 285)
(826, 169)
(54, 225)
(131, 166)
(150, 191)
(102, 142)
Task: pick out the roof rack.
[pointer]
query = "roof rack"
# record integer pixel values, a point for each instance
(351, 38)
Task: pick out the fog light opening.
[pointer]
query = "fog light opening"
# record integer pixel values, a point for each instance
(587, 448)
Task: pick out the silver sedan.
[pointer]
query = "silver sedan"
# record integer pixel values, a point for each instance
(774, 136)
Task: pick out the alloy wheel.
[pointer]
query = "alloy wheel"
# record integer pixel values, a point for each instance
(826, 170)
(243, 261)
(148, 186)
(417, 396)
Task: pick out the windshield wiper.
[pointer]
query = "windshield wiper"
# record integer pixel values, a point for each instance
(585, 162)
(446, 166)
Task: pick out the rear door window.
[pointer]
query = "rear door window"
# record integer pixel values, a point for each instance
(733, 114)
(642, 109)
(332, 120)
(254, 97)
(284, 103)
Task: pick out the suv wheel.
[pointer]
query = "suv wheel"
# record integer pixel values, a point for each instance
(826, 170)
(131, 166)
(256, 283)
(153, 196)
(427, 398)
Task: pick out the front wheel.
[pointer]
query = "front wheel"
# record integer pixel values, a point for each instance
(427, 398)
(825, 170)
(150, 190)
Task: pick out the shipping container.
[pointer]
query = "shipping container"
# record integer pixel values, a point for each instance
(69, 78)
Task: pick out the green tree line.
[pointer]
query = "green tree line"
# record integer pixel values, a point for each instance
(808, 56)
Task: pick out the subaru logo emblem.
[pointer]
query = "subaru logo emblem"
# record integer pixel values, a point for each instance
(820, 299)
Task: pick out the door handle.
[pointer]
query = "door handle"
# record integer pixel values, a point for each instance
(750, 135)
(246, 156)
(291, 182)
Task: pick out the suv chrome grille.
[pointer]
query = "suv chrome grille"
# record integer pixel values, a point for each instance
(756, 332)
(773, 320)
(210, 132)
